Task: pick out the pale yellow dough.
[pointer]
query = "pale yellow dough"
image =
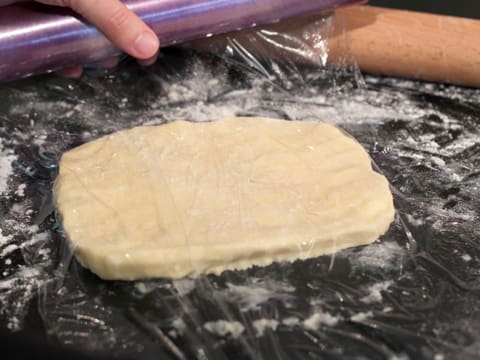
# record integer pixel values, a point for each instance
(189, 198)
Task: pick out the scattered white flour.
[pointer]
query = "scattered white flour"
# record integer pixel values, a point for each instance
(20, 283)
(291, 321)
(21, 190)
(141, 288)
(146, 287)
(184, 286)
(262, 325)
(24, 273)
(181, 286)
(235, 329)
(414, 221)
(251, 296)
(7, 250)
(36, 238)
(384, 255)
(5, 240)
(16, 292)
(179, 326)
(6, 158)
(320, 318)
(223, 328)
(375, 292)
(361, 316)
(40, 140)
(202, 112)
(33, 229)
(438, 161)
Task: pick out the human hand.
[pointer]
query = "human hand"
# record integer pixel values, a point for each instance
(120, 25)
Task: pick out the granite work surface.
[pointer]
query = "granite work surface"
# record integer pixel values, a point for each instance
(414, 294)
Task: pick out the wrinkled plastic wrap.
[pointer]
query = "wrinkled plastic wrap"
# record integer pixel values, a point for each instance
(411, 295)
(36, 38)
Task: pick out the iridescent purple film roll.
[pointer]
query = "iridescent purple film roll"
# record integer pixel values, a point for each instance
(36, 39)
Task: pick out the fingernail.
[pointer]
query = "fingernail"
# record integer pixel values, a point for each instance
(146, 44)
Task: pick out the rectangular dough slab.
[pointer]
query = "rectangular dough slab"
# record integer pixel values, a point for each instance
(189, 198)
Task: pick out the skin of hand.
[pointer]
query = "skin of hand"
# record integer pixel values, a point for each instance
(120, 25)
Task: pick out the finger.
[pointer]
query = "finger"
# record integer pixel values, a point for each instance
(118, 23)
(72, 73)
(150, 61)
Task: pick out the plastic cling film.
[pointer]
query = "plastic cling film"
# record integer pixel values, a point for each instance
(389, 299)
(169, 201)
(36, 39)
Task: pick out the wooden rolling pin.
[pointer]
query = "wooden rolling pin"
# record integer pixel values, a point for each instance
(384, 41)
(411, 44)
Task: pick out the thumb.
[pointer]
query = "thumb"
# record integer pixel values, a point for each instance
(118, 23)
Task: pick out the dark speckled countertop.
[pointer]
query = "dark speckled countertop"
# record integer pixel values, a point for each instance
(414, 294)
